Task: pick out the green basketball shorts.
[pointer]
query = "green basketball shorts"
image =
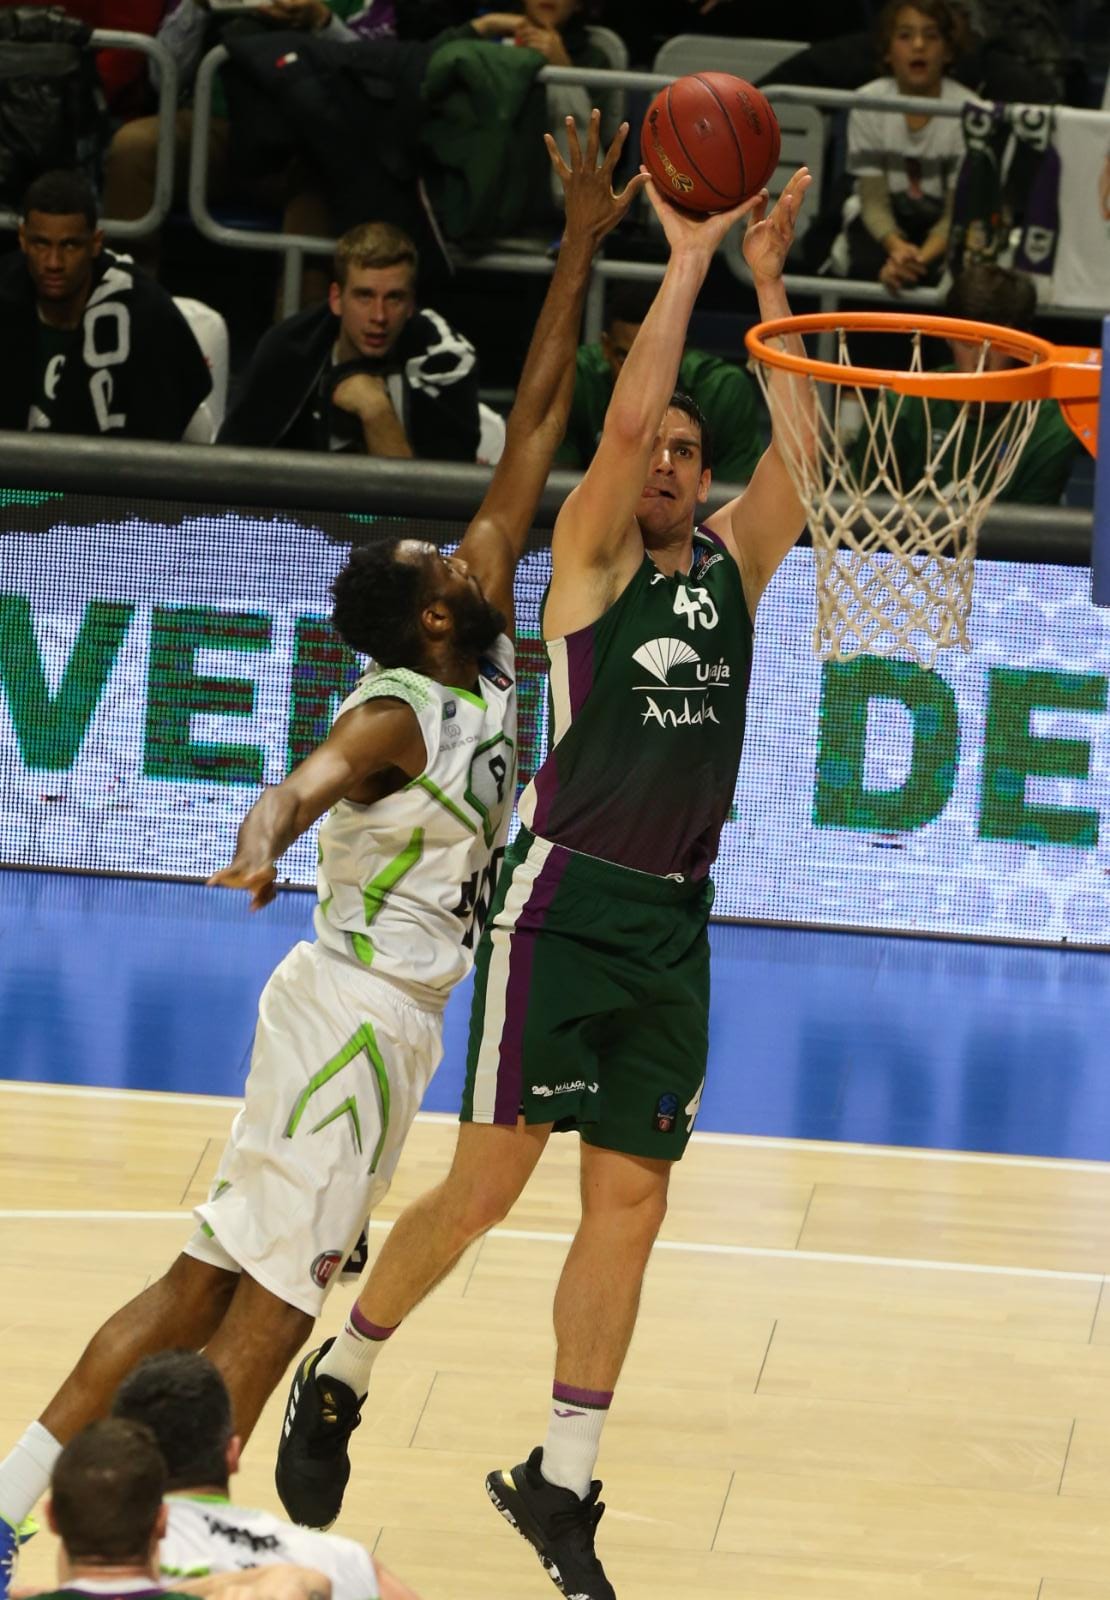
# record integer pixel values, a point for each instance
(591, 1001)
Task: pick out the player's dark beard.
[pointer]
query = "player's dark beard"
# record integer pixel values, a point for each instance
(477, 623)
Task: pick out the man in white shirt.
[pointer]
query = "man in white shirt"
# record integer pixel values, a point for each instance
(182, 1399)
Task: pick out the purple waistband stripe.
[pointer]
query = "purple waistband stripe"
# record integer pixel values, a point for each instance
(594, 1399)
(367, 1329)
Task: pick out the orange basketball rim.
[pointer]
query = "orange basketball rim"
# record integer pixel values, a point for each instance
(1069, 374)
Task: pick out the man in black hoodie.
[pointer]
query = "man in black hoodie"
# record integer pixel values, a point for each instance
(90, 345)
(368, 372)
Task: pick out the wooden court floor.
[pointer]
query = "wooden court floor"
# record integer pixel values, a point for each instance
(860, 1374)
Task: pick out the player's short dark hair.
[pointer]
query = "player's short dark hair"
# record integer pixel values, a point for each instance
(629, 302)
(950, 21)
(62, 194)
(181, 1398)
(687, 403)
(986, 292)
(106, 1490)
(378, 600)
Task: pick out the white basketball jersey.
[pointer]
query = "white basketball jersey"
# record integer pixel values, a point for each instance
(404, 884)
(209, 1534)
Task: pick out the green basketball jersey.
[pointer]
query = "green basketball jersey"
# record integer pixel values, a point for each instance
(646, 720)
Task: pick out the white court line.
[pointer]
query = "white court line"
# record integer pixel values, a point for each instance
(682, 1246)
(750, 1141)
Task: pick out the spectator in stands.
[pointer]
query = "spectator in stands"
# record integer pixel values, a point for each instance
(1012, 50)
(130, 165)
(90, 345)
(985, 293)
(181, 1397)
(724, 393)
(896, 221)
(557, 30)
(106, 1506)
(368, 372)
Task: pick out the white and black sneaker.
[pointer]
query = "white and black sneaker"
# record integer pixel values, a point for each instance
(313, 1465)
(558, 1525)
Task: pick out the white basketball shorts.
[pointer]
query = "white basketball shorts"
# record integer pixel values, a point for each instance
(340, 1064)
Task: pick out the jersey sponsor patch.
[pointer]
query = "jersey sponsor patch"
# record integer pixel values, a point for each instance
(666, 1113)
(702, 563)
(324, 1266)
(493, 674)
(255, 1544)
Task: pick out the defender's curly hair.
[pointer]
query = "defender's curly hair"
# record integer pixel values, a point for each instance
(181, 1397)
(377, 604)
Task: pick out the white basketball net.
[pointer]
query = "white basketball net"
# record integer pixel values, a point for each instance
(894, 552)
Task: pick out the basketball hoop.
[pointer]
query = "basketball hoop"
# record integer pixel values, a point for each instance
(897, 466)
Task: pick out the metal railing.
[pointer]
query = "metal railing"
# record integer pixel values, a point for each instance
(137, 227)
(827, 290)
(357, 486)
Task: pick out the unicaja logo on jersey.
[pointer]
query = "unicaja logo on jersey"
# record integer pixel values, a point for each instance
(658, 656)
(668, 659)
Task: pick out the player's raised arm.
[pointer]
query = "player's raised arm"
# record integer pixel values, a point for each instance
(596, 529)
(763, 523)
(379, 737)
(496, 537)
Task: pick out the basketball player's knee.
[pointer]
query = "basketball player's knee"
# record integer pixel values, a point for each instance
(479, 1208)
(655, 1213)
(636, 1214)
(197, 1287)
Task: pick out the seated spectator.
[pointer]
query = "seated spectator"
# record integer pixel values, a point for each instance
(724, 393)
(368, 372)
(558, 31)
(1010, 50)
(106, 1507)
(90, 345)
(983, 293)
(187, 31)
(180, 1396)
(896, 221)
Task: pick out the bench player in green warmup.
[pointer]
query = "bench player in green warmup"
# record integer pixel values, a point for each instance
(592, 995)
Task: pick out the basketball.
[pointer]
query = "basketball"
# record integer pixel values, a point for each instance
(710, 141)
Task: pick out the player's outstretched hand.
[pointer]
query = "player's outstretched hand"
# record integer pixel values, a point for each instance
(767, 239)
(593, 209)
(258, 878)
(690, 233)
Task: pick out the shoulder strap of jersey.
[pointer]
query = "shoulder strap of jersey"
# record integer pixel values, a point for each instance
(418, 692)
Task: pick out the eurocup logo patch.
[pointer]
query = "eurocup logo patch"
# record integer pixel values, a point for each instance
(666, 1111)
(325, 1264)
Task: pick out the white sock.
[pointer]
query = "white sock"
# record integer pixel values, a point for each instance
(352, 1356)
(574, 1436)
(25, 1474)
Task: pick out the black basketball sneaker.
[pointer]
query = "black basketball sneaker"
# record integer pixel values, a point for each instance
(312, 1464)
(559, 1526)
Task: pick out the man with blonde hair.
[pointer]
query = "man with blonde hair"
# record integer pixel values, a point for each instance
(369, 372)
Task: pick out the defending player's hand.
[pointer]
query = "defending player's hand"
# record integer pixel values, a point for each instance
(767, 239)
(258, 878)
(690, 233)
(593, 208)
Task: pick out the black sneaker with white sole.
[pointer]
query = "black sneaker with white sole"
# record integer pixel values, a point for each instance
(559, 1526)
(312, 1465)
